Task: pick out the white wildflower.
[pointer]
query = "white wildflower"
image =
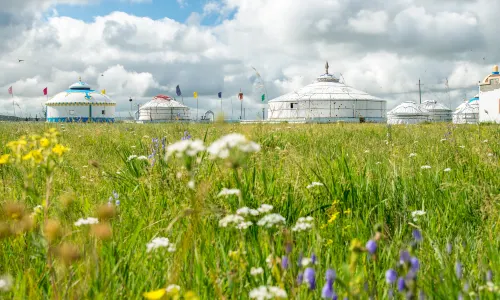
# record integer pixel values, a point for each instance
(132, 146)
(5, 283)
(313, 184)
(38, 209)
(416, 214)
(303, 224)
(265, 208)
(85, 167)
(443, 140)
(378, 163)
(462, 146)
(160, 242)
(244, 225)
(191, 184)
(367, 151)
(142, 157)
(221, 148)
(131, 157)
(87, 221)
(185, 148)
(173, 289)
(269, 261)
(490, 154)
(256, 271)
(447, 170)
(272, 220)
(245, 211)
(231, 219)
(171, 248)
(267, 292)
(485, 141)
(227, 192)
(413, 154)
(305, 261)
(118, 172)
(425, 167)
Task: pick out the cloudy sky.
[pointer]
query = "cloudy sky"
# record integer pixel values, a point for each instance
(140, 48)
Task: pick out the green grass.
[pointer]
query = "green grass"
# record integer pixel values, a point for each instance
(366, 170)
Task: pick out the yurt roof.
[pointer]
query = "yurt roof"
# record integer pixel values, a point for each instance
(408, 108)
(493, 75)
(433, 105)
(326, 87)
(476, 98)
(163, 101)
(468, 108)
(80, 93)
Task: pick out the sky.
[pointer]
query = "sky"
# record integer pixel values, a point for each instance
(140, 48)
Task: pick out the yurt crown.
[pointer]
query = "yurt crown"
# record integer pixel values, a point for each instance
(326, 67)
(495, 70)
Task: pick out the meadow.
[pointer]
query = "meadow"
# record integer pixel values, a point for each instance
(229, 211)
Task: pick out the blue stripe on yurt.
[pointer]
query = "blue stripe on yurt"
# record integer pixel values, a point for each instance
(80, 120)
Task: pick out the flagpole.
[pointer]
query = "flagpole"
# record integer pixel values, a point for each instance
(196, 108)
(13, 103)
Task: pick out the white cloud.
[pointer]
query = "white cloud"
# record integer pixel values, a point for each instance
(369, 22)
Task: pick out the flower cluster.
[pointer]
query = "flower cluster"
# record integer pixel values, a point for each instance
(186, 147)
(222, 147)
(303, 224)
(87, 221)
(160, 242)
(268, 292)
(313, 184)
(271, 221)
(236, 221)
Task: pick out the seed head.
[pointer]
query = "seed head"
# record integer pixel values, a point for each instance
(69, 253)
(102, 231)
(106, 212)
(14, 211)
(52, 230)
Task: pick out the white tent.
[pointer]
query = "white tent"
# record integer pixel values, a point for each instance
(327, 100)
(80, 104)
(163, 108)
(467, 112)
(407, 112)
(437, 112)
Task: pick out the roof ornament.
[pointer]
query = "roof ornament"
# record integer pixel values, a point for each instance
(326, 67)
(80, 78)
(495, 69)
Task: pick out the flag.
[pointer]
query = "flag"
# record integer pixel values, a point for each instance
(195, 94)
(240, 95)
(103, 92)
(263, 97)
(10, 91)
(219, 94)
(45, 92)
(178, 90)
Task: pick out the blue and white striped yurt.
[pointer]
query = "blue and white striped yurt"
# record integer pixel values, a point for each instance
(80, 103)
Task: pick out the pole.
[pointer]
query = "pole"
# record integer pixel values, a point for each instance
(420, 91)
(13, 104)
(263, 116)
(241, 108)
(196, 107)
(244, 113)
(232, 108)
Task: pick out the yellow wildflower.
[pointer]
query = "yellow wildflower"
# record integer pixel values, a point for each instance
(329, 242)
(59, 149)
(190, 295)
(28, 156)
(158, 294)
(53, 130)
(333, 217)
(347, 211)
(44, 142)
(4, 159)
(37, 156)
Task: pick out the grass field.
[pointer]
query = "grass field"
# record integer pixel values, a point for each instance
(422, 201)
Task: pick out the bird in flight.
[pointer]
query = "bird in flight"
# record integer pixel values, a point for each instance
(20, 60)
(102, 74)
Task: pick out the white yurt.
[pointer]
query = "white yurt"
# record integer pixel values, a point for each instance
(467, 112)
(163, 108)
(438, 112)
(327, 100)
(80, 104)
(407, 112)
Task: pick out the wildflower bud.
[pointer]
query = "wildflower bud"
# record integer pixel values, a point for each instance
(284, 262)
(14, 211)
(458, 270)
(4, 230)
(401, 284)
(69, 253)
(310, 278)
(102, 231)
(52, 230)
(391, 276)
(371, 246)
(94, 163)
(67, 198)
(106, 212)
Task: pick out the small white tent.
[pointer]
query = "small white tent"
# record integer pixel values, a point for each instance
(407, 112)
(163, 108)
(467, 112)
(437, 112)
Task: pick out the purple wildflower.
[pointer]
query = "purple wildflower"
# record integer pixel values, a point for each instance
(401, 284)
(327, 291)
(404, 257)
(390, 294)
(391, 276)
(330, 274)
(415, 264)
(163, 142)
(489, 276)
(460, 296)
(288, 248)
(313, 259)
(458, 270)
(310, 278)
(421, 295)
(417, 235)
(116, 195)
(284, 262)
(300, 278)
(117, 202)
(449, 248)
(371, 246)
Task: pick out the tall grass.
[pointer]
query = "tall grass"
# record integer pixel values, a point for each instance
(370, 187)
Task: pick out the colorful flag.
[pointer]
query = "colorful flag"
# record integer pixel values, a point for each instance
(219, 94)
(178, 90)
(240, 95)
(45, 91)
(103, 92)
(10, 91)
(263, 97)
(195, 94)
